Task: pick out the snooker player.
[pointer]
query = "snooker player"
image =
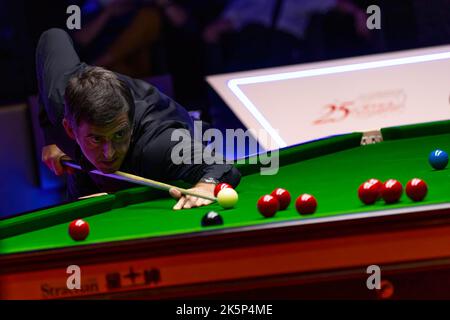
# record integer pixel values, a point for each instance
(108, 121)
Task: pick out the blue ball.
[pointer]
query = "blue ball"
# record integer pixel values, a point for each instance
(438, 159)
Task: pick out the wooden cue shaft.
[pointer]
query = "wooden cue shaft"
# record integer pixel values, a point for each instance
(118, 175)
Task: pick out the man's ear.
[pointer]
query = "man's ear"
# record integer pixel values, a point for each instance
(69, 129)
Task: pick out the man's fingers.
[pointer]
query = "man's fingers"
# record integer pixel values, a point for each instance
(205, 202)
(70, 170)
(175, 193)
(191, 202)
(59, 170)
(196, 202)
(199, 202)
(66, 169)
(188, 202)
(180, 203)
(50, 165)
(51, 155)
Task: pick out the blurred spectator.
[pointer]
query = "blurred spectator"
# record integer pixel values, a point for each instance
(119, 34)
(433, 22)
(341, 32)
(183, 22)
(264, 33)
(256, 34)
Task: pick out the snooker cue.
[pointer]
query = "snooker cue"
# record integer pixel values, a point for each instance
(119, 175)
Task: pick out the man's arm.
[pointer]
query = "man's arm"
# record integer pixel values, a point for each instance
(56, 61)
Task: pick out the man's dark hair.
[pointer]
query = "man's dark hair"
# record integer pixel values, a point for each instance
(96, 96)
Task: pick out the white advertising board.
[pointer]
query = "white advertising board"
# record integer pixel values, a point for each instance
(300, 103)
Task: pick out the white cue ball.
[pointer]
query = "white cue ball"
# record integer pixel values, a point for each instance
(227, 198)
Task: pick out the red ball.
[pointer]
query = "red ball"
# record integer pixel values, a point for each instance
(368, 192)
(378, 184)
(78, 230)
(268, 205)
(386, 290)
(306, 204)
(392, 191)
(220, 187)
(416, 189)
(283, 197)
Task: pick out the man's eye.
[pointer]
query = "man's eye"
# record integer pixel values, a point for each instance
(119, 135)
(96, 139)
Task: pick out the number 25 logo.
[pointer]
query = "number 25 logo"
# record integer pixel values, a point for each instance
(334, 113)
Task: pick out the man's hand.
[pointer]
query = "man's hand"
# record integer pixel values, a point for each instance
(187, 201)
(52, 156)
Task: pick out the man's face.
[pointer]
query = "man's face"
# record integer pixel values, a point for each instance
(105, 147)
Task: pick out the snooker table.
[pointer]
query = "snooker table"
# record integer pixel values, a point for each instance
(138, 247)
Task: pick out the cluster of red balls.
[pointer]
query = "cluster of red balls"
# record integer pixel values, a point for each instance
(391, 191)
(280, 199)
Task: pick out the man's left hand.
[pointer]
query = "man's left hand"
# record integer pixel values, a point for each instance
(188, 201)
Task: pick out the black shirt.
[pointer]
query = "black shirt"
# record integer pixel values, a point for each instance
(155, 117)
